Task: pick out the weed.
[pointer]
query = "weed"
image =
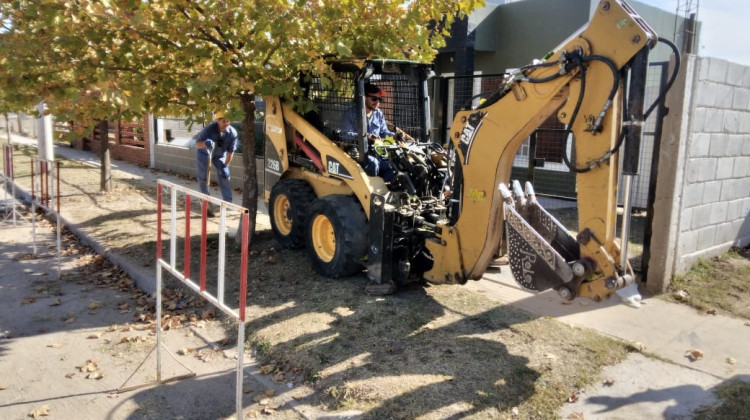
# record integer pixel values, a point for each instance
(734, 400)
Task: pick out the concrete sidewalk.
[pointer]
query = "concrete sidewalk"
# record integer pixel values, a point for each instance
(668, 386)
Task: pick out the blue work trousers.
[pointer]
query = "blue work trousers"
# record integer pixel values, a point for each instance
(201, 166)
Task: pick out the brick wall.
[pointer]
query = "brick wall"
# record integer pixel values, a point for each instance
(703, 196)
(124, 144)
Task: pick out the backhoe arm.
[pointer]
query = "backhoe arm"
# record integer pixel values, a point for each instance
(581, 82)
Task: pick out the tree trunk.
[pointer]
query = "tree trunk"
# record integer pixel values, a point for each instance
(249, 179)
(106, 168)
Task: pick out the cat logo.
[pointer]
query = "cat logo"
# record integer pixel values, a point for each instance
(336, 168)
(469, 133)
(478, 195)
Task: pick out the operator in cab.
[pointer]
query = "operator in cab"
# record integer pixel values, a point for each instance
(375, 165)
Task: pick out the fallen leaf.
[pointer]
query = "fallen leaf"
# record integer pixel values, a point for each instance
(185, 351)
(95, 375)
(247, 390)
(747, 323)
(70, 375)
(636, 346)
(55, 345)
(711, 311)
(681, 296)
(270, 392)
(209, 314)
(89, 366)
(94, 304)
(575, 416)
(608, 382)
(731, 360)
(266, 369)
(279, 377)
(40, 411)
(573, 397)
(3, 387)
(269, 410)
(28, 300)
(694, 355)
(69, 320)
(58, 302)
(95, 336)
(271, 260)
(260, 399)
(550, 356)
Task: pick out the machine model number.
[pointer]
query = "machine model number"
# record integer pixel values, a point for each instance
(274, 164)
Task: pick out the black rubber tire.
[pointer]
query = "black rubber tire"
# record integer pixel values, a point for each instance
(349, 224)
(297, 193)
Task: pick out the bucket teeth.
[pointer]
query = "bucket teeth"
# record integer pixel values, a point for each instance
(519, 194)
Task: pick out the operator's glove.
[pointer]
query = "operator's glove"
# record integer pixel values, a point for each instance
(225, 172)
(209, 144)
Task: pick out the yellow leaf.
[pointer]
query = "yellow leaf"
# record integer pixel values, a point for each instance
(95, 375)
(266, 369)
(40, 411)
(694, 355)
(94, 304)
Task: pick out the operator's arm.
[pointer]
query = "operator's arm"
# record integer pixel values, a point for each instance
(202, 136)
(349, 125)
(378, 125)
(228, 158)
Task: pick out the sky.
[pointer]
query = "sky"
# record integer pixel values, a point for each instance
(725, 27)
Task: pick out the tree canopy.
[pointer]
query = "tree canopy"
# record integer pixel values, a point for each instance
(93, 59)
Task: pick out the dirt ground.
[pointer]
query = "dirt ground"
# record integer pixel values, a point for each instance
(323, 345)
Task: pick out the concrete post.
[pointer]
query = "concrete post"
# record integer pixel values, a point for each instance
(44, 133)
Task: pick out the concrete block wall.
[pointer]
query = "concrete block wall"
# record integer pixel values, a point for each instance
(181, 160)
(702, 205)
(715, 210)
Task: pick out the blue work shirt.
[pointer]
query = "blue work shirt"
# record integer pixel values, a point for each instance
(375, 124)
(226, 142)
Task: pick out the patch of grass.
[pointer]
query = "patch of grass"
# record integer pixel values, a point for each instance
(734, 400)
(719, 283)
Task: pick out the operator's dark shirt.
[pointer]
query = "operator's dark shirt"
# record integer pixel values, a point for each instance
(226, 142)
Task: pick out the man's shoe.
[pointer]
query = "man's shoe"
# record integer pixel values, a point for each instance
(210, 210)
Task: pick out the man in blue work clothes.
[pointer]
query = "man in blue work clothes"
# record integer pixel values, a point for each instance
(220, 140)
(374, 165)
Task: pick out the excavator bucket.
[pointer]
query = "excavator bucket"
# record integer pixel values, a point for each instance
(539, 246)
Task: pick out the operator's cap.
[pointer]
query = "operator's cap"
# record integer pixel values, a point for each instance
(373, 90)
(219, 115)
